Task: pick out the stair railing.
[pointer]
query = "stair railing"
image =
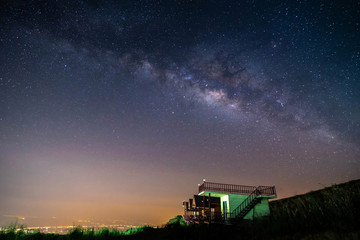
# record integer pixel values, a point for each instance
(245, 203)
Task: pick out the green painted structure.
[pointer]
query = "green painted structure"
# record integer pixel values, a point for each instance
(218, 202)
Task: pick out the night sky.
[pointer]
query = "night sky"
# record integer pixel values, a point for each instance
(114, 112)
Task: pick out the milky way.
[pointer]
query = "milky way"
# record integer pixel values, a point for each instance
(108, 106)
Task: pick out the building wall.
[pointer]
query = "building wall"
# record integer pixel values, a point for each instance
(234, 200)
(260, 210)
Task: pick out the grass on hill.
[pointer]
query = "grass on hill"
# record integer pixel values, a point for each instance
(332, 209)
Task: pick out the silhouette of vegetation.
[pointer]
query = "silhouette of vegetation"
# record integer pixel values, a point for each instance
(177, 221)
(332, 209)
(330, 213)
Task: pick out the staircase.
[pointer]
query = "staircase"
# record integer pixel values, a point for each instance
(245, 207)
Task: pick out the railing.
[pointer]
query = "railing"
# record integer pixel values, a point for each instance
(267, 191)
(226, 188)
(245, 203)
(237, 189)
(195, 216)
(251, 200)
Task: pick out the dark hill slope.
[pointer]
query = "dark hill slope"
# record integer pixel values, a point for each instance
(335, 208)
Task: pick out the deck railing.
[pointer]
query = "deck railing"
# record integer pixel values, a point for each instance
(266, 190)
(237, 189)
(194, 216)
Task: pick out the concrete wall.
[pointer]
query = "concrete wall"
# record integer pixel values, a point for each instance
(260, 210)
(234, 200)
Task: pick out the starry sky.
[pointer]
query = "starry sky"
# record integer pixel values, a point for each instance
(114, 111)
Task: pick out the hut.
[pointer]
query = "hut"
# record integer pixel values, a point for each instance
(228, 203)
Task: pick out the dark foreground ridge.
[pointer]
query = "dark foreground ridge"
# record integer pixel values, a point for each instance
(330, 213)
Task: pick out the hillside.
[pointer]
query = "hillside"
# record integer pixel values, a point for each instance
(332, 209)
